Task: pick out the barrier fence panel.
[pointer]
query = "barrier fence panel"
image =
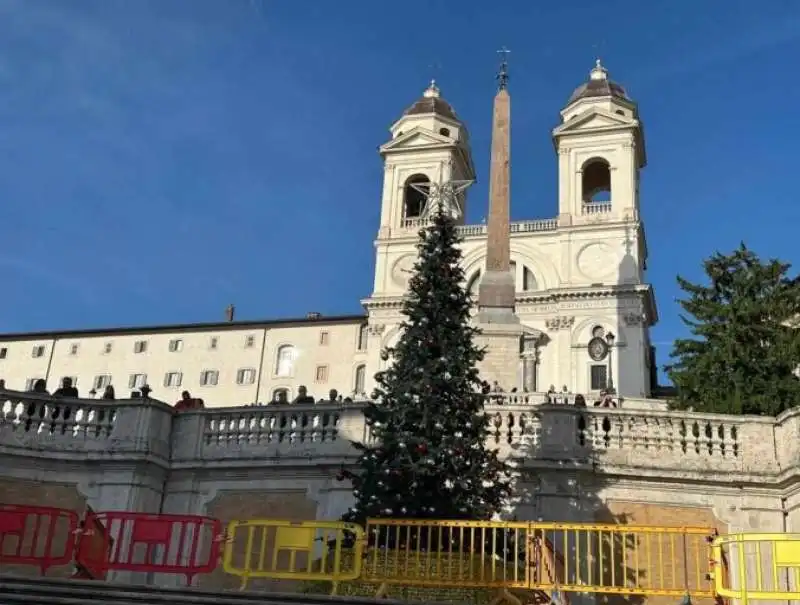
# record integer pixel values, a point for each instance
(37, 535)
(481, 554)
(551, 558)
(305, 550)
(621, 559)
(94, 545)
(761, 567)
(140, 542)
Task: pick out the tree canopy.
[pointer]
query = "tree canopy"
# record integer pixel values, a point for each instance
(744, 347)
(428, 456)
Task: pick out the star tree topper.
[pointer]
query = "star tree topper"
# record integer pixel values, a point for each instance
(447, 195)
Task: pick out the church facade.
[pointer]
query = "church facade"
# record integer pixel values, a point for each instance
(581, 296)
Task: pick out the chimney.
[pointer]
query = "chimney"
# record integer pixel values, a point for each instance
(313, 315)
(230, 310)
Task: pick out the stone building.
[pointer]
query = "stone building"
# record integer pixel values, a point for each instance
(577, 277)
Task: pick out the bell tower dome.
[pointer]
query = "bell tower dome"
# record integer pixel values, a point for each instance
(600, 144)
(429, 144)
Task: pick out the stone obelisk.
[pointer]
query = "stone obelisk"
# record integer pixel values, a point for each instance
(499, 324)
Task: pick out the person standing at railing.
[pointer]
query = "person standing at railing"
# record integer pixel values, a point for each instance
(187, 402)
(303, 396)
(40, 386)
(67, 389)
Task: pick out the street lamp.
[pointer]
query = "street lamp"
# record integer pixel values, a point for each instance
(610, 338)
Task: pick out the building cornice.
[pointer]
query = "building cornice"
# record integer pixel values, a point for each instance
(188, 327)
(552, 296)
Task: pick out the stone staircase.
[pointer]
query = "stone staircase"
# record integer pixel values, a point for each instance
(16, 590)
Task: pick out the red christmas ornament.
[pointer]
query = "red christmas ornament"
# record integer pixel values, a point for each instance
(422, 448)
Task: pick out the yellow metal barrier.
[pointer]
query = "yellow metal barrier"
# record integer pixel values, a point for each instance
(757, 567)
(622, 559)
(544, 557)
(480, 554)
(305, 550)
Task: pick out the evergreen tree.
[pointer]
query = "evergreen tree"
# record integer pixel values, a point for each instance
(745, 345)
(429, 457)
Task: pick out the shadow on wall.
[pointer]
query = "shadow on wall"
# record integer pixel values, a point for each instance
(558, 484)
(641, 359)
(556, 489)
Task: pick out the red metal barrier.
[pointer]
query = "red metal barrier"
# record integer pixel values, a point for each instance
(94, 545)
(173, 544)
(37, 535)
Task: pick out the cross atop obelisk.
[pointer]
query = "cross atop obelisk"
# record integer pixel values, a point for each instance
(496, 290)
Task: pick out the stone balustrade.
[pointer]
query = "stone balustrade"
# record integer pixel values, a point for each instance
(522, 427)
(530, 226)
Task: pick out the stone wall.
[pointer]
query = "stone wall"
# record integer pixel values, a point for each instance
(641, 465)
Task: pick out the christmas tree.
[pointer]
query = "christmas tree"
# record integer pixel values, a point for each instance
(429, 458)
(745, 344)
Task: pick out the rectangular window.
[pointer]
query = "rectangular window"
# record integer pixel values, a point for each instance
(29, 383)
(212, 344)
(107, 348)
(101, 381)
(249, 341)
(140, 346)
(137, 381)
(209, 378)
(3, 352)
(175, 345)
(323, 338)
(173, 379)
(363, 334)
(361, 374)
(321, 374)
(38, 351)
(246, 376)
(599, 377)
(73, 348)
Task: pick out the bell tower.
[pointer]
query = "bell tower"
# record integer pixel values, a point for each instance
(429, 144)
(600, 145)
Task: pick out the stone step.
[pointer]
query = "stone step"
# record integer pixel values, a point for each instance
(16, 590)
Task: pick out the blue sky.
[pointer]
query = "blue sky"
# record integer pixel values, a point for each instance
(163, 158)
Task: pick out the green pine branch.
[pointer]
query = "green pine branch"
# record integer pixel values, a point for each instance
(743, 351)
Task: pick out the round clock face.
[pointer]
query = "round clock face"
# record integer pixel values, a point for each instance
(598, 349)
(598, 260)
(402, 270)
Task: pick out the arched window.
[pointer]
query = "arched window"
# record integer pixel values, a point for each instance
(360, 378)
(472, 286)
(596, 181)
(414, 199)
(284, 360)
(528, 283)
(362, 337)
(280, 395)
(528, 280)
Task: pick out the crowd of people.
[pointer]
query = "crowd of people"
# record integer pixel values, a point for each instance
(67, 390)
(493, 393)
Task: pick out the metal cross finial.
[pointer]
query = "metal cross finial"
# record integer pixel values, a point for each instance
(502, 76)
